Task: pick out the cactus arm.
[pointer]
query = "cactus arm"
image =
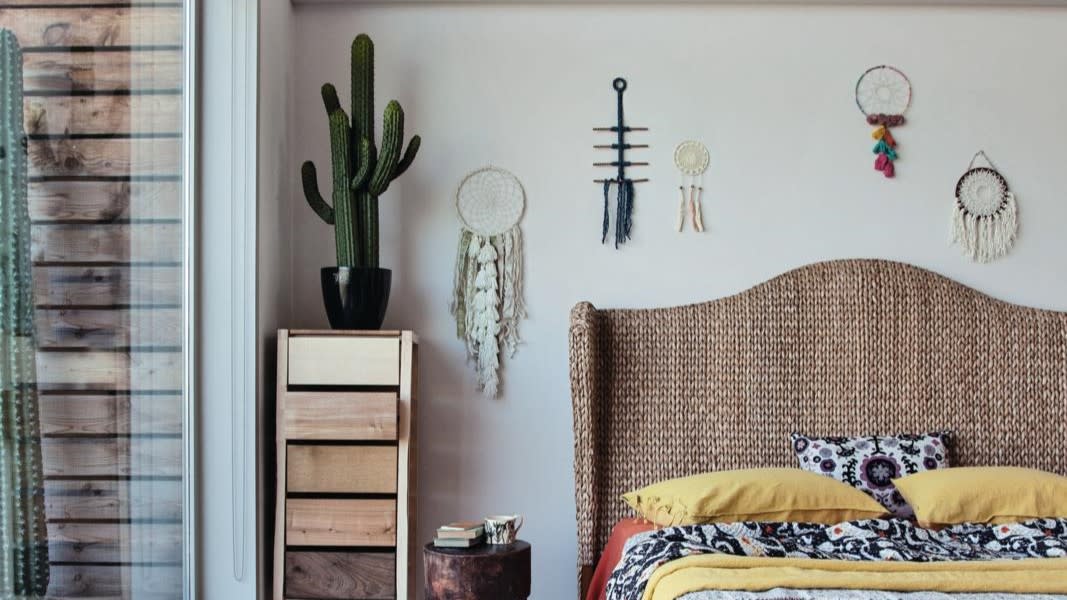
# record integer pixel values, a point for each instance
(409, 157)
(367, 158)
(329, 98)
(344, 228)
(311, 191)
(363, 87)
(389, 155)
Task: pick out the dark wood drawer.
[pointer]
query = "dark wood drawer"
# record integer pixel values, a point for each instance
(340, 575)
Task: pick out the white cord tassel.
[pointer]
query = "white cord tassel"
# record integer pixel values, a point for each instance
(487, 320)
(470, 289)
(986, 238)
(514, 308)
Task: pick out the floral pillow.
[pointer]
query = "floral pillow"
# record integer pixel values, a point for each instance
(872, 463)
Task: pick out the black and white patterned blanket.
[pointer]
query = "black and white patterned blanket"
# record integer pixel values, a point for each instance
(866, 540)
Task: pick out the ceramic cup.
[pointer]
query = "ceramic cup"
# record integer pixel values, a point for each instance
(502, 529)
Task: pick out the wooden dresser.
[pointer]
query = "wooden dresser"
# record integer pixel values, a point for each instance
(345, 517)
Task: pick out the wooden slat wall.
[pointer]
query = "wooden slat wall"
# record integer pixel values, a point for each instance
(103, 116)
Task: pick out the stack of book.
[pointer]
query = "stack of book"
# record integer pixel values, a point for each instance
(461, 534)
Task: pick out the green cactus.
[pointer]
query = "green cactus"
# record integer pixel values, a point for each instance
(362, 170)
(24, 545)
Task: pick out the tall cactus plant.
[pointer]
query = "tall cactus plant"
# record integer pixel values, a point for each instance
(362, 169)
(23, 542)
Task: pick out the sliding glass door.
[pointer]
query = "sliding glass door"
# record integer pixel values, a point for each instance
(93, 213)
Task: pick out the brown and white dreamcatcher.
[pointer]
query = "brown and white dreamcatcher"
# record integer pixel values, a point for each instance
(691, 158)
(487, 300)
(985, 216)
(883, 94)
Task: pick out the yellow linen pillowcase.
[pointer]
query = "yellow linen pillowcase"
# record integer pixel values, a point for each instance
(752, 495)
(984, 495)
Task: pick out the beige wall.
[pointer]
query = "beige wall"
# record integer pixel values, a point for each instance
(768, 89)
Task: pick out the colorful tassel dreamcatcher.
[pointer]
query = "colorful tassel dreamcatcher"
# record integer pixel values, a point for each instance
(487, 298)
(883, 94)
(985, 217)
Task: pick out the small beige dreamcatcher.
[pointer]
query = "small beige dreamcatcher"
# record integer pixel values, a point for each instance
(487, 298)
(691, 158)
(985, 216)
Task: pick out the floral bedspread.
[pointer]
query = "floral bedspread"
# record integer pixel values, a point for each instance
(866, 540)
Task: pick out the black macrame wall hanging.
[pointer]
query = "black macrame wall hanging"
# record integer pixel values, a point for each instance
(624, 203)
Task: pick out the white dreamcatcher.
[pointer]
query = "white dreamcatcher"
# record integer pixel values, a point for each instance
(985, 216)
(691, 158)
(487, 298)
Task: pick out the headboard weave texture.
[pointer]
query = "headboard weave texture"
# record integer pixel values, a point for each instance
(842, 347)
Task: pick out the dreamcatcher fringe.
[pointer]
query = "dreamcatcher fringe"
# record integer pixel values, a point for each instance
(624, 210)
(986, 238)
(487, 300)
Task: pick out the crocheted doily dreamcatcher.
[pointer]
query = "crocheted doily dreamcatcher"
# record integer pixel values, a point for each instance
(487, 298)
(985, 216)
(883, 94)
(692, 158)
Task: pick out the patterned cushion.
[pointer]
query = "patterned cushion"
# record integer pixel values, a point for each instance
(872, 463)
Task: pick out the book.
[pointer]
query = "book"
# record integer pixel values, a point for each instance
(461, 526)
(455, 534)
(458, 542)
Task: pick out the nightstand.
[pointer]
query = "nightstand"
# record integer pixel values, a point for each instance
(488, 571)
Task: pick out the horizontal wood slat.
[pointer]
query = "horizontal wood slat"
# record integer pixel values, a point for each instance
(94, 26)
(104, 71)
(39, 3)
(108, 329)
(104, 200)
(79, 115)
(107, 286)
(135, 242)
(340, 416)
(109, 370)
(155, 500)
(108, 414)
(346, 575)
(341, 469)
(114, 457)
(331, 522)
(140, 582)
(104, 157)
(115, 542)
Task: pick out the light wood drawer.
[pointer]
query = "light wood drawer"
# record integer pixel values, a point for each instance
(341, 469)
(344, 360)
(329, 522)
(340, 416)
(344, 575)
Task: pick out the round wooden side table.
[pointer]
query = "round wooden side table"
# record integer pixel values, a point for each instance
(485, 572)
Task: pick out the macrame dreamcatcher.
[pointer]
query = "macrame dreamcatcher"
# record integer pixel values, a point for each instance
(883, 94)
(691, 158)
(985, 217)
(487, 297)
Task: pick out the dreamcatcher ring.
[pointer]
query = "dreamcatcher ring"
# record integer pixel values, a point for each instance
(490, 201)
(883, 95)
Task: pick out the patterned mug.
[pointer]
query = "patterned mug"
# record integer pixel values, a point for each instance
(502, 529)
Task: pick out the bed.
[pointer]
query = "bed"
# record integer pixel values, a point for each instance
(842, 347)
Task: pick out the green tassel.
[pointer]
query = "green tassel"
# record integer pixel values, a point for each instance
(883, 148)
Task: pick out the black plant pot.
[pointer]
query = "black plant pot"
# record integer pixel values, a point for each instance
(356, 297)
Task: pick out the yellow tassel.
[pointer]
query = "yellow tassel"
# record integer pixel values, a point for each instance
(879, 132)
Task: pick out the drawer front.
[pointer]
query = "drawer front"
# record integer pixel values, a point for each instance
(344, 360)
(330, 522)
(342, 575)
(340, 416)
(341, 469)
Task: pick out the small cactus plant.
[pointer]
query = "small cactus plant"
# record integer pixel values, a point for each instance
(362, 170)
(24, 546)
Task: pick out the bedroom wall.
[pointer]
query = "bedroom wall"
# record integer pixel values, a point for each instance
(768, 89)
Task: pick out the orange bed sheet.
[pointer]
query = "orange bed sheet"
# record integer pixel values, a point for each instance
(612, 554)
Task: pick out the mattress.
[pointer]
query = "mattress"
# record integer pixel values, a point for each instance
(875, 559)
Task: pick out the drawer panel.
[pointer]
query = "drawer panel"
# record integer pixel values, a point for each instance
(341, 469)
(331, 522)
(340, 416)
(344, 360)
(342, 575)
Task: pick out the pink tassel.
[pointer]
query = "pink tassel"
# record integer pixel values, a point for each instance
(889, 170)
(881, 162)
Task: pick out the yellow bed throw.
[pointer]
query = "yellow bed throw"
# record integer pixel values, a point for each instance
(750, 573)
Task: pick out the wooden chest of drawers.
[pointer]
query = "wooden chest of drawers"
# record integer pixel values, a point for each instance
(345, 520)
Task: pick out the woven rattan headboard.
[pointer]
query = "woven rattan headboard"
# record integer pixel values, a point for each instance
(842, 347)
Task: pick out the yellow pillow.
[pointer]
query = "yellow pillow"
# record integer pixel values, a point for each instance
(984, 495)
(752, 495)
